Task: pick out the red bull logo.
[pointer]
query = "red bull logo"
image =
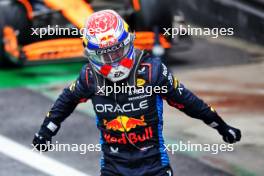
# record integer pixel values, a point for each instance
(133, 137)
(107, 40)
(125, 124)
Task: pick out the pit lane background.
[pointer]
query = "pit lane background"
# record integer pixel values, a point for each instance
(226, 72)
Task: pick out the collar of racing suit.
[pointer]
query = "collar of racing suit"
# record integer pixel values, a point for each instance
(131, 81)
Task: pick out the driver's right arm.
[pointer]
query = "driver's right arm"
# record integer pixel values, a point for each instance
(77, 92)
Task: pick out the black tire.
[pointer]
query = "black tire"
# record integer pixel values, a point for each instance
(13, 14)
(153, 13)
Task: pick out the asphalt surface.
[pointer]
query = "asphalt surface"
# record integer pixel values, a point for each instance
(205, 53)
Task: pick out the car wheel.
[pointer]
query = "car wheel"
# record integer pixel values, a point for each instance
(14, 30)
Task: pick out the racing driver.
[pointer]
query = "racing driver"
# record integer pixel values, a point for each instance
(130, 122)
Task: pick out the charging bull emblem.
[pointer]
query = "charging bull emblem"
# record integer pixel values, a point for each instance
(124, 123)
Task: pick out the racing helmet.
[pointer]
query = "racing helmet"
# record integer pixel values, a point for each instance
(109, 46)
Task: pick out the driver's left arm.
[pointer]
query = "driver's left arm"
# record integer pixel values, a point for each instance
(183, 99)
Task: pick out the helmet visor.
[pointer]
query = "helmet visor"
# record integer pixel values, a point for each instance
(109, 55)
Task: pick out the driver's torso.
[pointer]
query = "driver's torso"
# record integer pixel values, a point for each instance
(132, 113)
(130, 122)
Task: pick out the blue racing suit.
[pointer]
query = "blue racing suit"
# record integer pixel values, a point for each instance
(131, 121)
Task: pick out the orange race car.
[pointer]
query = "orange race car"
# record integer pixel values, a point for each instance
(36, 31)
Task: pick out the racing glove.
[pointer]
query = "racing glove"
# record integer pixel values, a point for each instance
(230, 134)
(42, 139)
(41, 143)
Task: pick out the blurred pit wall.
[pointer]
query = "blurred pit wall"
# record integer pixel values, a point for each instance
(245, 16)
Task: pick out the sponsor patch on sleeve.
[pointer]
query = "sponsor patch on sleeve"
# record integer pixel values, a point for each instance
(52, 127)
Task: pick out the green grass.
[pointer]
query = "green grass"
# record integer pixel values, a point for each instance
(39, 75)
